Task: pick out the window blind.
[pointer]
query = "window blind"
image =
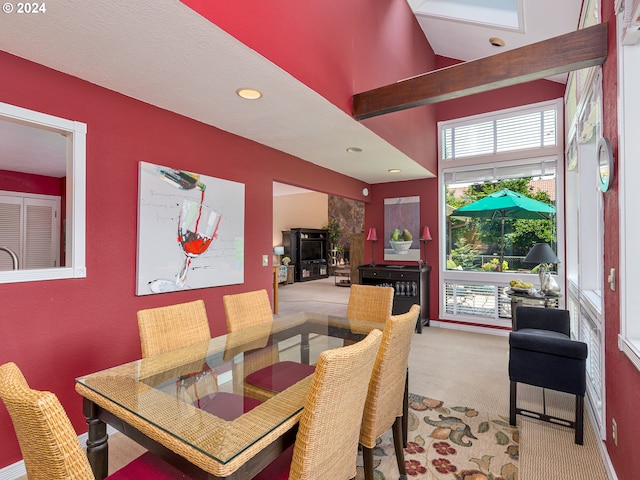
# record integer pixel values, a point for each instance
(530, 130)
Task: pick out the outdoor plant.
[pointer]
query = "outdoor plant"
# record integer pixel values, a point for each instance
(494, 265)
(451, 265)
(464, 254)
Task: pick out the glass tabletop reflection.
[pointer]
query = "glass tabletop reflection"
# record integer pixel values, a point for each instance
(197, 397)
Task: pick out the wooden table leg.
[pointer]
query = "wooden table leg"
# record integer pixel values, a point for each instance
(97, 446)
(275, 290)
(305, 349)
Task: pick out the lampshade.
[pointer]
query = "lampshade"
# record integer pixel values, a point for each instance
(426, 234)
(541, 253)
(279, 250)
(372, 235)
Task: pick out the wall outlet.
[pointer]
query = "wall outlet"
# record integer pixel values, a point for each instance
(265, 260)
(614, 431)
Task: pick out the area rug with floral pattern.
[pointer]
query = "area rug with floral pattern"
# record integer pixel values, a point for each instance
(451, 442)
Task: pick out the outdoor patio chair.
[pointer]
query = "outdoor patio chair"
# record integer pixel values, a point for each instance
(326, 445)
(542, 353)
(49, 444)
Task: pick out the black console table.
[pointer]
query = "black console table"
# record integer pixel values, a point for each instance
(411, 285)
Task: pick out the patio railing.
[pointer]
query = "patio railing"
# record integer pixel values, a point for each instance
(515, 262)
(479, 297)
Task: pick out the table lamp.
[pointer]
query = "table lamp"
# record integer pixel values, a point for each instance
(424, 238)
(279, 251)
(372, 236)
(542, 254)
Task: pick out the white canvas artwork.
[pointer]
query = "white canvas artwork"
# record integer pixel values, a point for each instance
(190, 230)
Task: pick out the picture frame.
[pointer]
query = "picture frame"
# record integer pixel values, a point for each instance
(190, 230)
(402, 214)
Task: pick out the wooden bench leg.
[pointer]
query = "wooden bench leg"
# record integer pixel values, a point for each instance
(579, 420)
(512, 402)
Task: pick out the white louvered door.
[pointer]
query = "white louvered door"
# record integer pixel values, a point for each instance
(30, 227)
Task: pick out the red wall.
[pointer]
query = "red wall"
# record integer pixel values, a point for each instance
(42, 185)
(621, 377)
(58, 330)
(26, 183)
(339, 48)
(427, 190)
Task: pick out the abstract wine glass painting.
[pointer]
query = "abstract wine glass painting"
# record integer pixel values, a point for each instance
(190, 231)
(197, 229)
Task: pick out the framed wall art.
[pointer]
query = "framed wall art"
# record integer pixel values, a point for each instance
(190, 230)
(402, 228)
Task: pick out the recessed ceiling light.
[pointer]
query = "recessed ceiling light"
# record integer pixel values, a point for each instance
(496, 42)
(394, 170)
(249, 93)
(354, 150)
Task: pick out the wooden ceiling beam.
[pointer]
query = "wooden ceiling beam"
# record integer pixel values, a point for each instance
(573, 51)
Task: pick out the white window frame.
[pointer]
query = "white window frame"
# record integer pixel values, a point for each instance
(75, 134)
(629, 213)
(492, 161)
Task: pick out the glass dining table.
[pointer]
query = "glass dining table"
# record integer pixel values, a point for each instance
(190, 406)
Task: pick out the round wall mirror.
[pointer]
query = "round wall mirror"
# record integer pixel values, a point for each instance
(605, 164)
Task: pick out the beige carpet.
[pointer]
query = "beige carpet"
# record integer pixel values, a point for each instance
(460, 368)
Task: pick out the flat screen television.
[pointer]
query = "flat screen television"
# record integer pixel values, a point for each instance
(311, 250)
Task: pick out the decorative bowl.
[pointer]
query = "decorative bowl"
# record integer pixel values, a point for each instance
(401, 248)
(529, 291)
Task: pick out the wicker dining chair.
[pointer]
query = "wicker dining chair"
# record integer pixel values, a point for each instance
(383, 408)
(163, 329)
(49, 444)
(247, 309)
(370, 302)
(263, 374)
(326, 445)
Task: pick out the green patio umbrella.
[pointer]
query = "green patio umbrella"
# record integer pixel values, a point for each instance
(506, 204)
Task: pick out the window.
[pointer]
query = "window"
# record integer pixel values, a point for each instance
(508, 133)
(628, 174)
(72, 240)
(516, 149)
(584, 232)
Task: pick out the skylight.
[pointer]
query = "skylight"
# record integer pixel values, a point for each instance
(499, 13)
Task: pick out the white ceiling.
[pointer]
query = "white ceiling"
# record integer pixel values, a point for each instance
(461, 29)
(281, 189)
(171, 57)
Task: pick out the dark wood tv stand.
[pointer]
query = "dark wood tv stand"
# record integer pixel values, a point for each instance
(411, 285)
(296, 246)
